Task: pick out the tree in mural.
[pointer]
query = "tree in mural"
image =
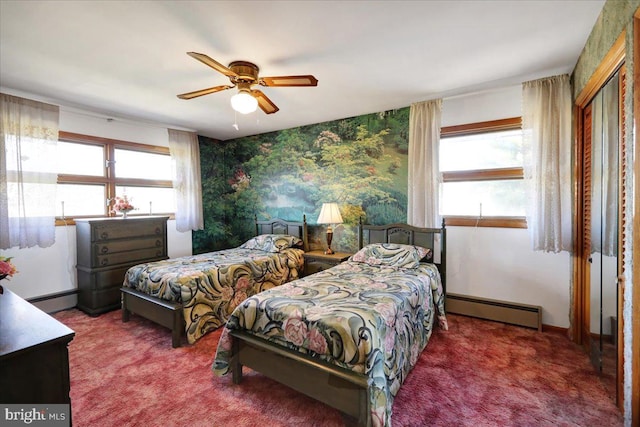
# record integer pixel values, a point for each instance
(229, 202)
(281, 175)
(350, 175)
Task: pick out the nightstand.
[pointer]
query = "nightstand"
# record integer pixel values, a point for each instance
(315, 261)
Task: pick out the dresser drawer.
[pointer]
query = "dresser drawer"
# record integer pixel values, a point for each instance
(103, 279)
(126, 229)
(114, 247)
(141, 255)
(99, 301)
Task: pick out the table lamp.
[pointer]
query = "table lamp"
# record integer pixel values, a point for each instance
(329, 214)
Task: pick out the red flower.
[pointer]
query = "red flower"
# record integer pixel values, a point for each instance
(122, 204)
(7, 269)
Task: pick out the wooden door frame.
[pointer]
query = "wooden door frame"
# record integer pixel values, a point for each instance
(635, 274)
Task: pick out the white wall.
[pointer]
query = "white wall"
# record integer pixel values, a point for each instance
(498, 263)
(494, 104)
(45, 271)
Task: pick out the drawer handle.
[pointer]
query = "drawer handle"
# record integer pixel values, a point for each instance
(104, 235)
(158, 230)
(158, 253)
(105, 261)
(158, 243)
(104, 249)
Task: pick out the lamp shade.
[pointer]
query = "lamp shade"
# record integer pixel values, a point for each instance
(243, 102)
(330, 214)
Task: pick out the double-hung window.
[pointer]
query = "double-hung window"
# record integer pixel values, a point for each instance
(482, 174)
(93, 171)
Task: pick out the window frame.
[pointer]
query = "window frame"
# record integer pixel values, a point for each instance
(512, 123)
(108, 179)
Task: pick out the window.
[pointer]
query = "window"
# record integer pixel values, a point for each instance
(92, 171)
(482, 174)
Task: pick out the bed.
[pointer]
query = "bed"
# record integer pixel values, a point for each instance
(349, 335)
(193, 295)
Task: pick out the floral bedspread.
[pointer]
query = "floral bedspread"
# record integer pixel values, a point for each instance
(374, 320)
(211, 285)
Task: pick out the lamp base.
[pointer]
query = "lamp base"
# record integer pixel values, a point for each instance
(329, 238)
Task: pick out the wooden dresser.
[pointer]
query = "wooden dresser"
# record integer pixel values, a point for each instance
(107, 248)
(34, 358)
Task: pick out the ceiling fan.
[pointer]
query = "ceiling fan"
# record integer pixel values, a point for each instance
(243, 75)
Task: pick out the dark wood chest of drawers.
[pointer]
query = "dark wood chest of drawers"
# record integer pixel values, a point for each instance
(34, 359)
(107, 248)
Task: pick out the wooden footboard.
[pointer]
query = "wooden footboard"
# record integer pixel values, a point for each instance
(165, 313)
(337, 387)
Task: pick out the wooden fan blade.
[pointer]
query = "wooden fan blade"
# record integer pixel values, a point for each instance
(289, 81)
(213, 64)
(265, 103)
(201, 92)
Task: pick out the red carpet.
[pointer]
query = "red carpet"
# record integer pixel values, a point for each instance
(478, 373)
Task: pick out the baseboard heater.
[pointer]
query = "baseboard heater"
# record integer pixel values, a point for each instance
(529, 316)
(58, 301)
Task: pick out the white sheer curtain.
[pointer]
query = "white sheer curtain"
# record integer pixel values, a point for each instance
(28, 175)
(185, 155)
(546, 122)
(424, 164)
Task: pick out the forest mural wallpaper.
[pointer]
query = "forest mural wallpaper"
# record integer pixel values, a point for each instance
(359, 163)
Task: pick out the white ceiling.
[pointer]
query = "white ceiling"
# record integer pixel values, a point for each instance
(127, 59)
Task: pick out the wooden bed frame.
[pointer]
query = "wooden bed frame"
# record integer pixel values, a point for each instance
(170, 314)
(337, 387)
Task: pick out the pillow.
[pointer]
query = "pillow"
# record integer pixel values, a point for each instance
(272, 242)
(392, 255)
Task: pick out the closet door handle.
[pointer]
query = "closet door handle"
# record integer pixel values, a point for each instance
(590, 260)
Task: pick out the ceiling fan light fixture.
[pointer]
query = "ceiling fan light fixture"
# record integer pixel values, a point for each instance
(243, 102)
(244, 75)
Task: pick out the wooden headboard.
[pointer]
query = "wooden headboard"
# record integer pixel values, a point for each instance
(281, 226)
(430, 238)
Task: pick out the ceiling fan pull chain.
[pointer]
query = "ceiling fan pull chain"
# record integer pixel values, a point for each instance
(235, 120)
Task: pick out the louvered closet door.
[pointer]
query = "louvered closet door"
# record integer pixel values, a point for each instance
(602, 141)
(585, 238)
(600, 221)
